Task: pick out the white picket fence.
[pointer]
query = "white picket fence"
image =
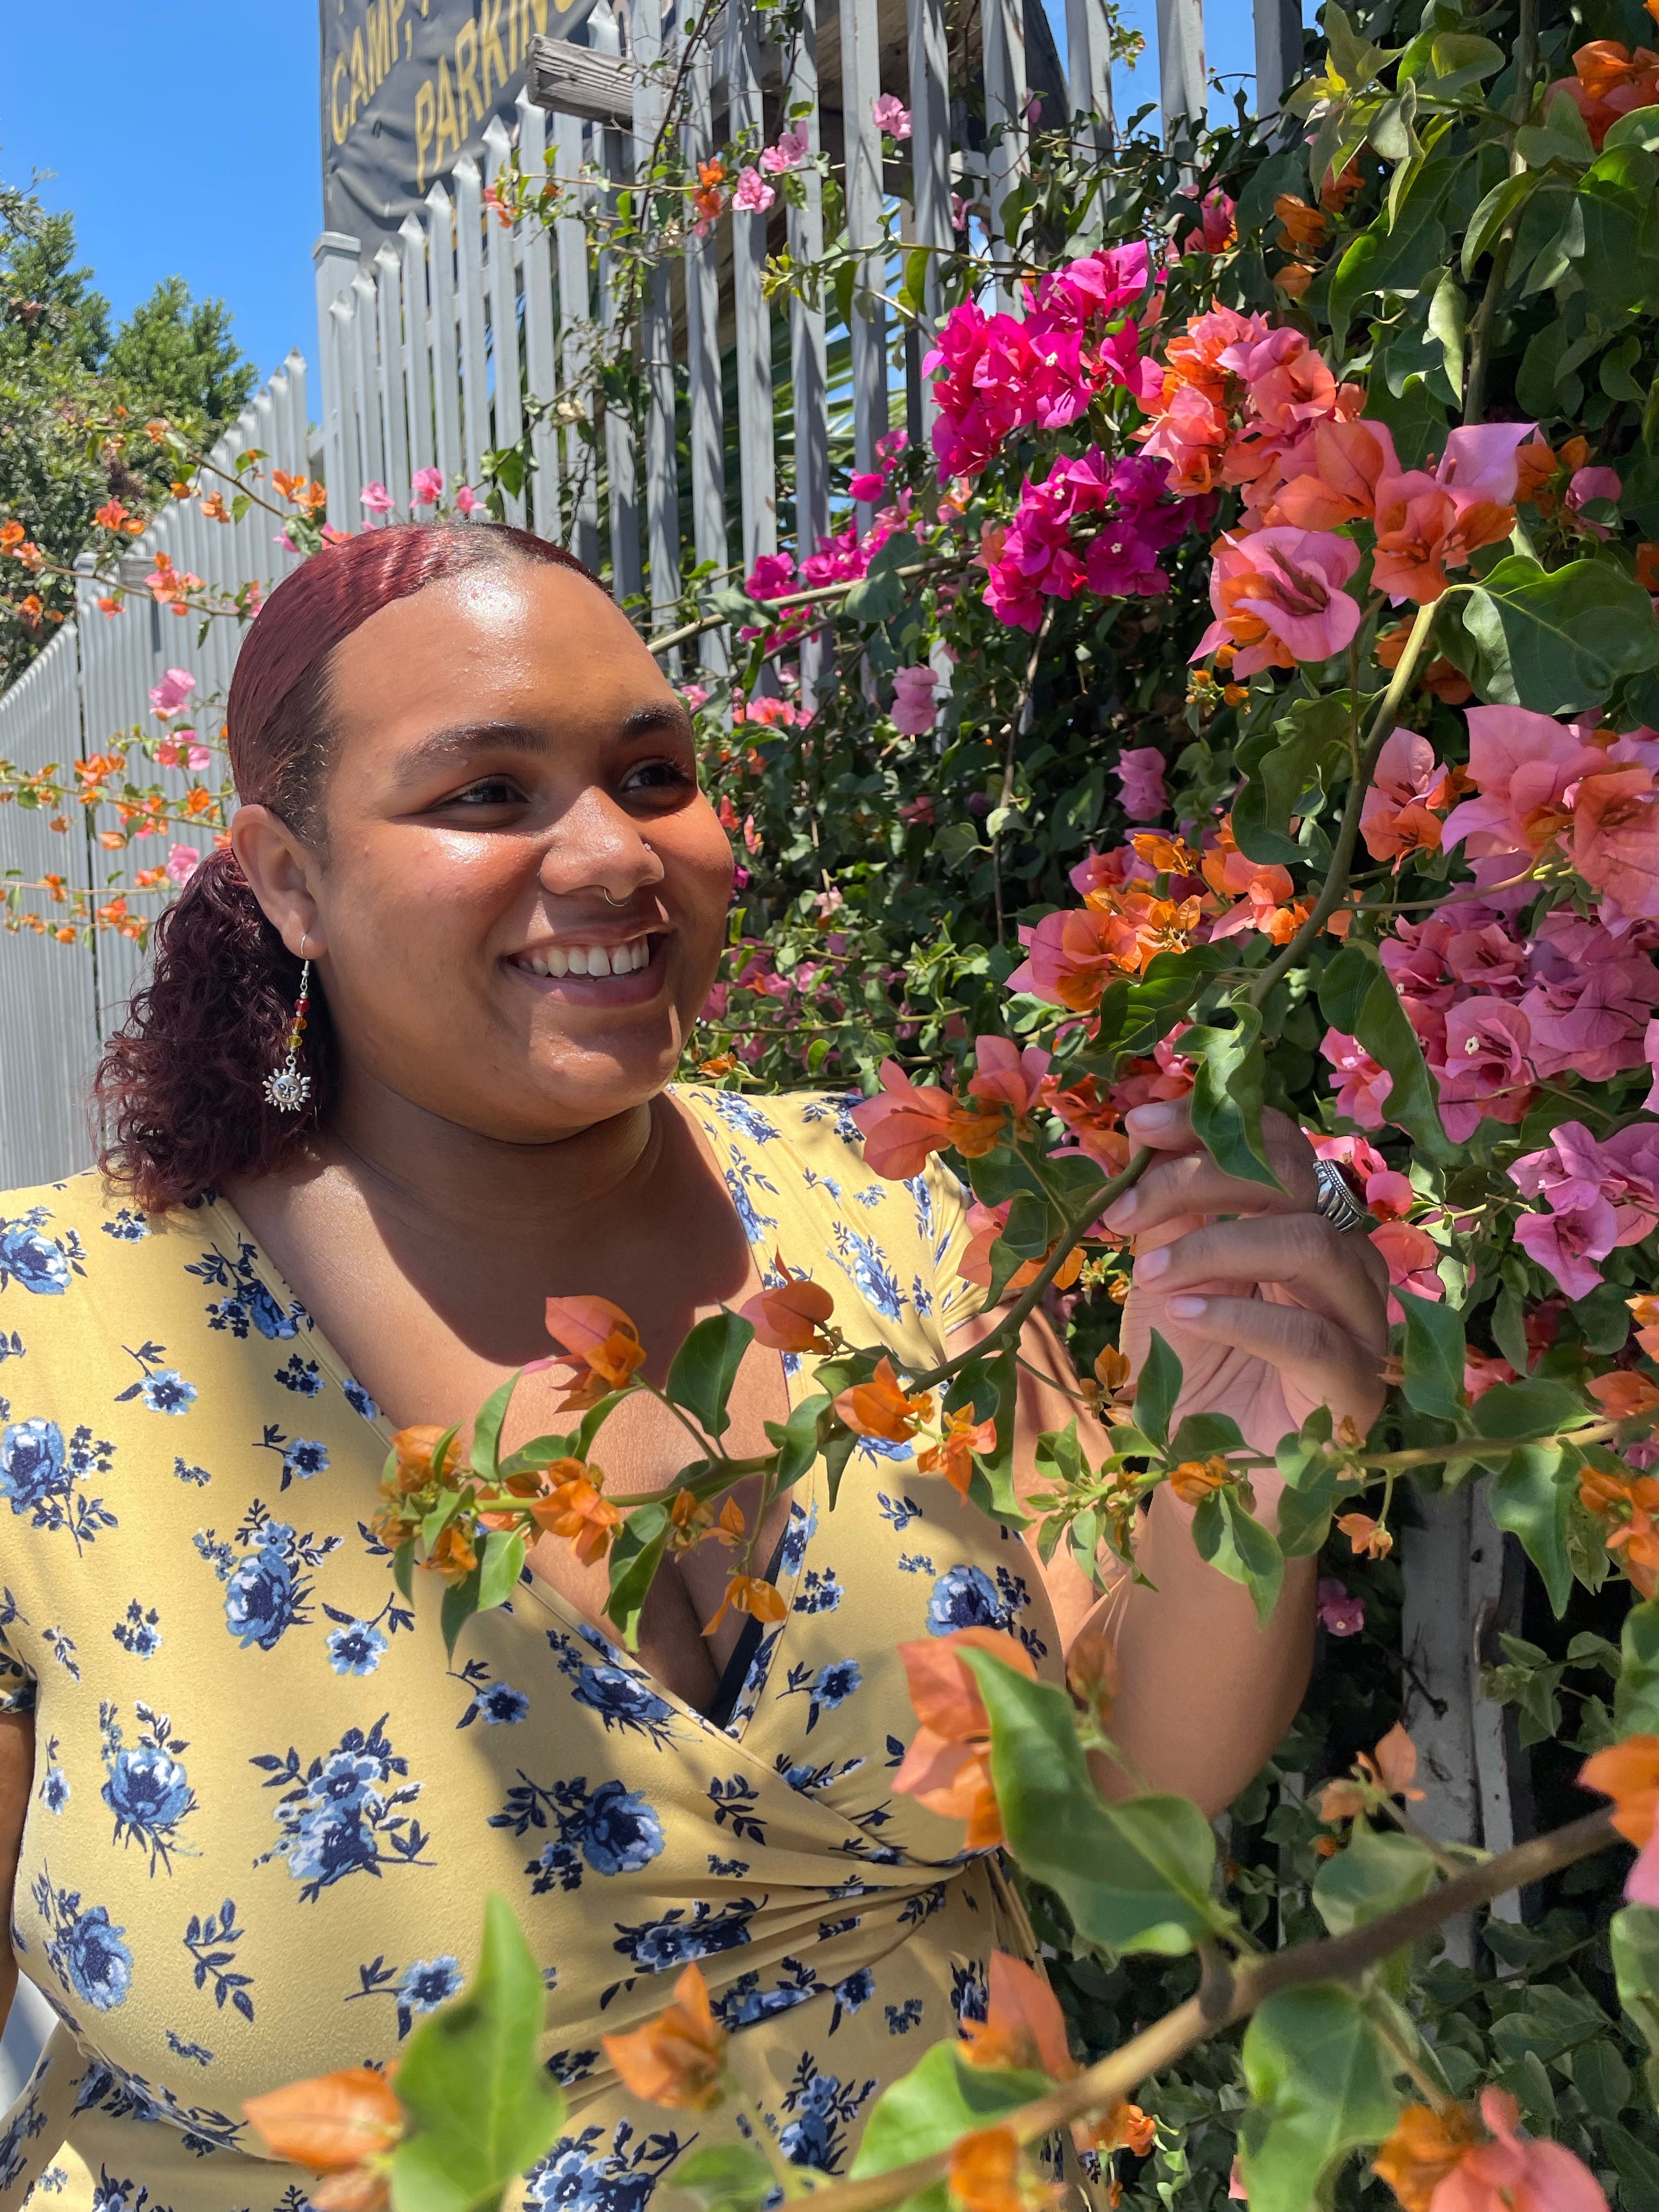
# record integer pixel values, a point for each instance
(91, 685)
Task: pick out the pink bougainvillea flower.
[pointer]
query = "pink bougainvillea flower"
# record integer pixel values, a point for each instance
(913, 712)
(182, 863)
(426, 487)
(1481, 460)
(791, 150)
(1365, 1086)
(1390, 1195)
(466, 500)
(1218, 232)
(1589, 997)
(1340, 1613)
(891, 116)
(1397, 819)
(1588, 484)
(752, 193)
(1343, 467)
(1278, 597)
(166, 698)
(1140, 773)
(1423, 529)
(377, 499)
(1411, 1256)
(906, 1122)
(1484, 1371)
(1484, 1070)
(1601, 1191)
(1521, 764)
(1008, 1076)
(1615, 842)
(1515, 2173)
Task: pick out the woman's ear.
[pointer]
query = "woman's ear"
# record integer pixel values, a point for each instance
(281, 870)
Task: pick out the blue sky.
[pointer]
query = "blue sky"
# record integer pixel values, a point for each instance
(224, 190)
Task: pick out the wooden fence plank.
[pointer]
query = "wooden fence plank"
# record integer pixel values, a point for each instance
(1089, 66)
(576, 333)
(503, 313)
(662, 485)
(621, 461)
(444, 330)
(1004, 123)
(930, 154)
(389, 332)
(809, 375)
(861, 67)
(756, 469)
(417, 341)
(366, 373)
(334, 260)
(703, 322)
(541, 361)
(1278, 51)
(470, 289)
(1182, 88)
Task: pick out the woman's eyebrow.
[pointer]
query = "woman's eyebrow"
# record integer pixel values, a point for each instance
(661, 717)
(447, 748)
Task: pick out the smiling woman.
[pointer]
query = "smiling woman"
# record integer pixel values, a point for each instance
(469, 802)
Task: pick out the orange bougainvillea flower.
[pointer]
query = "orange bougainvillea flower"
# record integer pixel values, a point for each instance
(1514, 2173)
(414, 1448)
(1645, 1312)
(1425, 2147)
(1091, 1672)
(1389, 1768)
(1023, 2026)
(452, 1556)
(678, 2059)
(1627, 1505)
(750, 1594)
(952, 1456)
(1303, 225)
(599, 1341)
(984, 2175)
(906, 1122)
(1194, 1479)
(1624, 1395)
(1369, 1538)
(789, 1315)
(947, 1767)
(1628, 1772)
(880, 1408)
(573, 1508)
(1126, 2127)
(335, 2124)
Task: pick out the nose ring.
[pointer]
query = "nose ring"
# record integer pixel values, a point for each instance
(609, 897)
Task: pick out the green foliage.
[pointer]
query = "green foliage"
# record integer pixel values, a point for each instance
(925, 2111)
(1318, 2087)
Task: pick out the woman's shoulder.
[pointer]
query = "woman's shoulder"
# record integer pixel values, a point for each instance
(57, 1238)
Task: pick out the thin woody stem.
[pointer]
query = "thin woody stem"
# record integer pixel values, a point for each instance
(819, 594)
(1234, 1994)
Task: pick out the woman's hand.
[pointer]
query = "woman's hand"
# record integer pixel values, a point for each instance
(1271, 1314)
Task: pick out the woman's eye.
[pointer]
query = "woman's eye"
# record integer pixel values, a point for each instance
(658, 776)
(488, 791)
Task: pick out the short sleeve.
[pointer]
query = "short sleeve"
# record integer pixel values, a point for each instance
(16, 1682)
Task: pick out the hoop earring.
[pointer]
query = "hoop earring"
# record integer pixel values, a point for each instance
(286, 1088)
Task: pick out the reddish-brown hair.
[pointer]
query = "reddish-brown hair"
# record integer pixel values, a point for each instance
(181, 1089)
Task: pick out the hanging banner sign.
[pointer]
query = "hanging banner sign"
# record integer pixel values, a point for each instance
(408, 87)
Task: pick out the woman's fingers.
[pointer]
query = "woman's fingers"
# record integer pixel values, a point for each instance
(1342, 1277)
(1315, 1358)
(1189, 1182)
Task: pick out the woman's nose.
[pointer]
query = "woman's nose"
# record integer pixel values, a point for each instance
(597, 845)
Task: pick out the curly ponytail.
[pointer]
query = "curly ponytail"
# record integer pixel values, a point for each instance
(181, 1089)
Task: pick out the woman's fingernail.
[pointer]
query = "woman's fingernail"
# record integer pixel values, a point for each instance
(1157, 1115)
(1186, 1308)
(1150, 1265)
(1122, 1211)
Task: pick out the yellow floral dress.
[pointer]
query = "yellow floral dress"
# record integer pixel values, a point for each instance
(266, 1808)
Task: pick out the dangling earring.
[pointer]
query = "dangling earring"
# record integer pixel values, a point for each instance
(285, 1087)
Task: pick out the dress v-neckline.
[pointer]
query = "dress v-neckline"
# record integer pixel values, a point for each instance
(547, 1594)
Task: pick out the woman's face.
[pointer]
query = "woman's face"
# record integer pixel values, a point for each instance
(506, 753)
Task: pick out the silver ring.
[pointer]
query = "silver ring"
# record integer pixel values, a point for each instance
(1334, 1200)
(609, 899)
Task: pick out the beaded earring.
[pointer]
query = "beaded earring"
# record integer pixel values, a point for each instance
(286, 1088)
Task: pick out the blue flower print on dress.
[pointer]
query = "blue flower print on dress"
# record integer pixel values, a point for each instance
(913, 1563)
(140, 1632)
(732, 1801)
(872, 1270)
(11, 1345)
(249, 1302)
(966, 1597)
(927, 1219)
(126, 1226)
(162, 1388)
(658, 1946)
(754, 1223)
(39, 1472)
(418, 1989)
(356, 1648)
(970, 1989)
(302, 1457)
(824, 1688)
(54, 1791)
(211, 1943)
(147, 1789)
(359, 1400)
(110, 2088)
(737, 1114)
(745, 2002)
(901, 1511)
(302, 1376)
(803, 1527)
(184, 1472)
(819, 1592)
(40, 1264)
(344, 1813)
(84, 1946)
(24, 2124)
(497, 1704)
(901, 2017)
(622, 1699)
(267, 1592)
(824, 2109)
(580, 2174)
(610, 1830)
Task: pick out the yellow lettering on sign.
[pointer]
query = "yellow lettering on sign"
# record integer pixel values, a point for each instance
(540, 6)
(340, 123)
(512, 33)
(490, 46)
(466, 82)
(449, 131)
(425, 119)
(398, 7)
(359, 75)
(379, 23)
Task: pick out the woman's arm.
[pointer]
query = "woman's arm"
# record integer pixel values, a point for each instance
(16, 1773)
(1272, 1312)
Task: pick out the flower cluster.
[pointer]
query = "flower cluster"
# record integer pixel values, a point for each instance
(1126, 519)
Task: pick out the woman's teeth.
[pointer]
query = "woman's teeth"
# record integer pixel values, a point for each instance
(587, 959)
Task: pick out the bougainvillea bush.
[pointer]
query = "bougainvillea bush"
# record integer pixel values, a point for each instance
(1248, 692)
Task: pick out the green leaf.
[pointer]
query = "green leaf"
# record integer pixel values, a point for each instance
(926, 2109)
(706, 1366)
(460, 1602)
(1379, 1871)
(1157, 1388)
(1135, 1876)
(1358, 996)
(1617, 201)
(1457, 60)
(481, 2105)
(796, 1440)
(634, 1557)
(1305, 1514)
(1202, 1434)
(1434, 1356)
(1492, 215)
(1280, 764)
(1449, 315)
(1227, 1099)
(1557, 641)
(1636, 1699)
(540, 1451)
(730, 2177)
(500, 1562)
(1318, 2090)
(1237, 1546)
(1531, 1496)
(1633, 1938)
(1532, 1407)
(1395, 260)
(487, 1429)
